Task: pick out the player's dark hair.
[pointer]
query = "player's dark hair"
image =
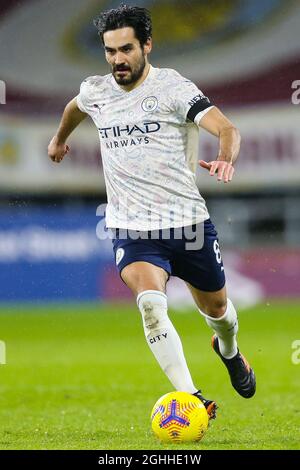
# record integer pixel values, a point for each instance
(126, 16)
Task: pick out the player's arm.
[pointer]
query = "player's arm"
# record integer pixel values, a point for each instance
(220, 126)
(71, 118)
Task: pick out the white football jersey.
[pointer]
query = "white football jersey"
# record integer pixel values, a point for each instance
(149, 141)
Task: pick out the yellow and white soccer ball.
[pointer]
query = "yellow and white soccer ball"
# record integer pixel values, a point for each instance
(179, 417)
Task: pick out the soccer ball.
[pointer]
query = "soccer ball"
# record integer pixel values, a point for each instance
(179, 417)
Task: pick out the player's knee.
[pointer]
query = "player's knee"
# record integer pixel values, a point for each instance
(153, 307)
(216, 308)
(140, 280)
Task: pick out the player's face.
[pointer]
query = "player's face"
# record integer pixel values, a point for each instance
(124, 54)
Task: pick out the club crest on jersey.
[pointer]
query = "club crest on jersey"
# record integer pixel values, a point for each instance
(119, 255)
(150, 103)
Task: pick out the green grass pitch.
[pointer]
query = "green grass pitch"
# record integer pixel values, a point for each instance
(83, 377)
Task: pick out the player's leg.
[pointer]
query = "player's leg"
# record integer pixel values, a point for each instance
(140, 276)
(221, 316)
(148, 284)
(202, 269)
(200, 265)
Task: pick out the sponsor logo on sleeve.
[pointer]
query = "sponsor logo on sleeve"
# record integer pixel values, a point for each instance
(197, 98)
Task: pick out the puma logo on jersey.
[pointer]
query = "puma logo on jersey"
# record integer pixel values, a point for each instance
(98, 106)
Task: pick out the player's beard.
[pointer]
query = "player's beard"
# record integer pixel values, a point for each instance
(133, 75)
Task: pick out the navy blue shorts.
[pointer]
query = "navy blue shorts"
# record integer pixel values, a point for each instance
(201, 267)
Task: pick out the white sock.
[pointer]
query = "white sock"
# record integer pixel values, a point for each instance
(163, 339)
(226, 328)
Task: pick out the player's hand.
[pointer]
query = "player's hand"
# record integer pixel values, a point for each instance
(223, 169)
(57, 150)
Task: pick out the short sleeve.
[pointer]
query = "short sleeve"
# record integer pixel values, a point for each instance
(190, 103)
(82, 97)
